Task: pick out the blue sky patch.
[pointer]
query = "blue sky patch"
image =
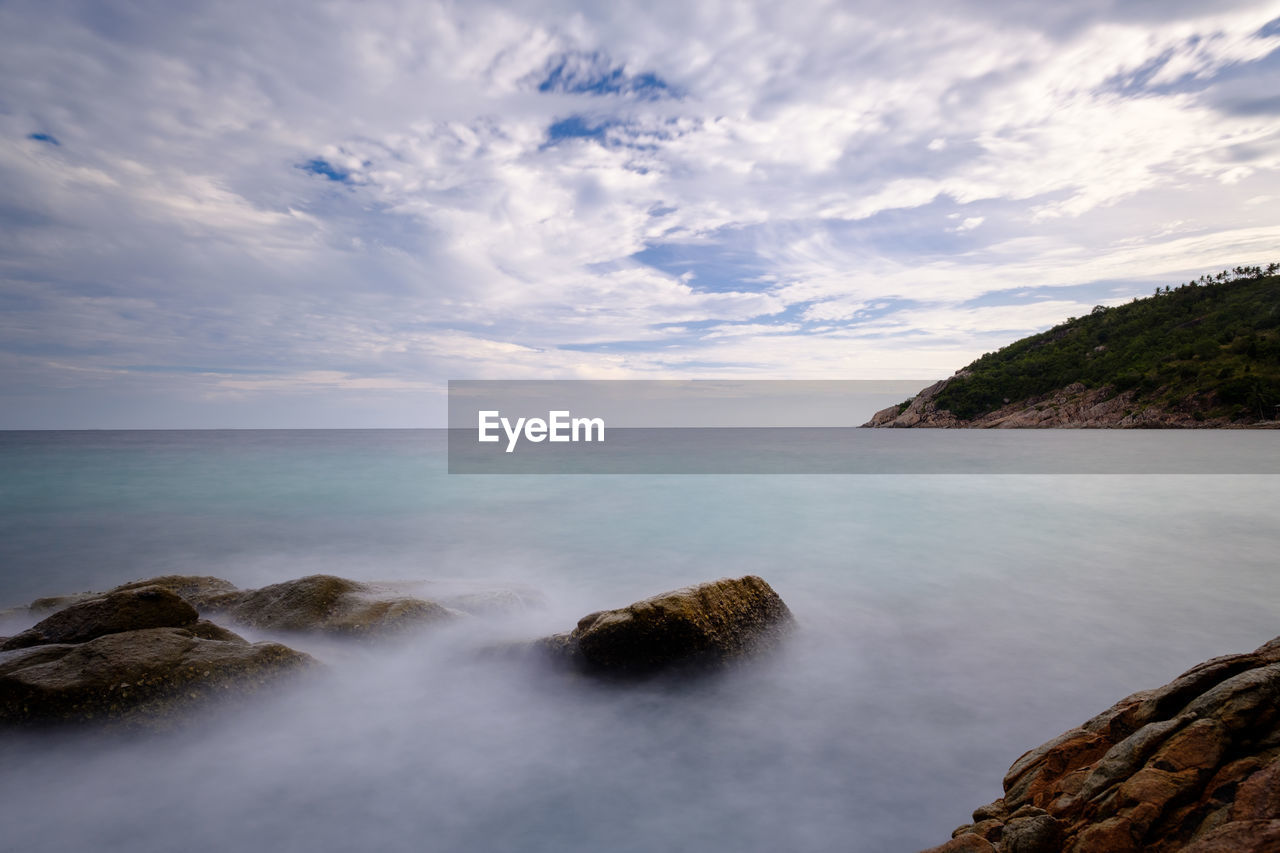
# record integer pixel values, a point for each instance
(578, 127)
(48, 138)
(325, 169)
(715, 268)
(592, 73)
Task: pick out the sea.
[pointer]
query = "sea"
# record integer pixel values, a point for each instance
(947, 622)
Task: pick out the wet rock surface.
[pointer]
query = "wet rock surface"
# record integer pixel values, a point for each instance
(133, 609)
(328, 604)
(196, 590)
(138, 653)
(1191, 766)
(132, 657)
(318, 603)
(708, 624)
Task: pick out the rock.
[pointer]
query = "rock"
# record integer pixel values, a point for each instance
(206, 630)
(135, 678)
(1262, 836)
(1071, 407)
(920, 410)
(51, 603)
(995, 810)
(196, 590)
(130, 610)
(1258, 798)
(712, 623)
(1193, 765)
(1031, 834)
(322, 603)
(966, 843)
(328, 604)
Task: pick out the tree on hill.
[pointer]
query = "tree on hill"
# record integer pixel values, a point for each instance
(1210, 347)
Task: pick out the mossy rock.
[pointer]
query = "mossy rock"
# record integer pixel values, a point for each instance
(328, 604)
(710, 624)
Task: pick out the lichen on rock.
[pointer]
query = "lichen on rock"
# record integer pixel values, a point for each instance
(708, 624)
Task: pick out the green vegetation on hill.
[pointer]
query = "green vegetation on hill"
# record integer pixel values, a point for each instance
(1210, 347)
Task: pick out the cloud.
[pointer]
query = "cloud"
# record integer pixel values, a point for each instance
(369, 200)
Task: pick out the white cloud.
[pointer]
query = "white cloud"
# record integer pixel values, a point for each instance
(853, 177)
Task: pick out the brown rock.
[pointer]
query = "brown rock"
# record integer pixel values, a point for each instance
(1197, 747)
(995, 810)
(1037, 780)
(1194, 764)
(920, 410)
(50, 603)
(1258, 798)
(134, 609)
(1248, 836)
(1032, 834)
(196, 590)
(963, 844)
(134, 678)
(990, 829)
(711, 623)
(1155, 787)
(1113, 835)
(328, 604)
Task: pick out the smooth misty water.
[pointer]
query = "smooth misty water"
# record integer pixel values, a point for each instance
(949, 623)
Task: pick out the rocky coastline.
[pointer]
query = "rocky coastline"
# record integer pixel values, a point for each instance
(1071, 407)
(1193, 766)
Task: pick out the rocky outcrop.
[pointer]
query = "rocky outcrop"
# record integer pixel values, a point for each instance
(1072, 407)
(328, 604)
(919, 411)
(320, 603)
(132, 658)
(709, 624)
(128, 610)
(196, 590)
(1193, 766)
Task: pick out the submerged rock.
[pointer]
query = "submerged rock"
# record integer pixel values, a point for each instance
(1192, 766)
(328, 604)
(712, 623)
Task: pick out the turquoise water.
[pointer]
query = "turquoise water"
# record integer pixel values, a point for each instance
(948, 624)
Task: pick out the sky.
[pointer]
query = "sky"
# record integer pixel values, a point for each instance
(311, 214)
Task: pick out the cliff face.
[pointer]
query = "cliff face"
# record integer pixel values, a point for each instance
(1193, 766)
(1072, 407)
